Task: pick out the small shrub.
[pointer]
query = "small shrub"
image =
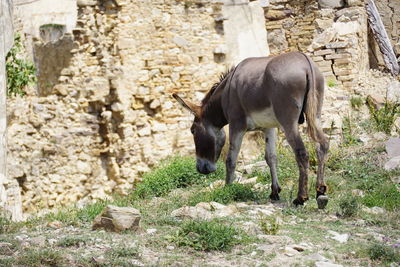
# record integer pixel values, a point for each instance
(226, 194)
(73, 241)
(383, 253)
(4, 225)
(40, 257)
(269, 225)
(356, 102)
(19, 72)
(349, 206)
(123, 252)
(206, 236)
(384, 117)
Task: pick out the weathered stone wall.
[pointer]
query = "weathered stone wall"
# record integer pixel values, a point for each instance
(332, 32)
(111, 117)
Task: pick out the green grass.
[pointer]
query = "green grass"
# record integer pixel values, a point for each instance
(226, 194)
(178, 172)
(207, 235)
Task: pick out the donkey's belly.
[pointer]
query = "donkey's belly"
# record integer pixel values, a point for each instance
(262, 119)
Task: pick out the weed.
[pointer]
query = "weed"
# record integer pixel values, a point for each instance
(19, 72)
(269, 225)
(349, 206)
(178, 172)
(226, 194)
(72, 241)
(123, 252)
(331, 82)
(384, 117)
(206, 235)
(40, 257)
(383, 253)
(356, 102)
(6, 225)
(348, 132)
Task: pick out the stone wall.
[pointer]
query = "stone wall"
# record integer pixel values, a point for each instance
(110, 116)
(333, 33)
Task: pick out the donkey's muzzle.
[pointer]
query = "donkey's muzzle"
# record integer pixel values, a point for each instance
(205, 167)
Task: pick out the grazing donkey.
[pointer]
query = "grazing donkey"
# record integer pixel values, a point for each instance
(263, 93)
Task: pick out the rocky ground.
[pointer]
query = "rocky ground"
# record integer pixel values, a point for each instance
(359, 227)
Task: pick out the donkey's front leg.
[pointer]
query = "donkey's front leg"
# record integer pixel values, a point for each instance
(235, 141)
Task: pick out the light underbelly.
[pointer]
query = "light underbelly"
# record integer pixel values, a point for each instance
(262, 119)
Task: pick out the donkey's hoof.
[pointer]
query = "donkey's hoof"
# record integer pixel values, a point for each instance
(299, 201)
(322, 201)
(274, 196)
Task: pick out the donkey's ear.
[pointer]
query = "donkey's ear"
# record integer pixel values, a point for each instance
(193, 108)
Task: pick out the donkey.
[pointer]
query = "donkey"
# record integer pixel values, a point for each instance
(263, 93)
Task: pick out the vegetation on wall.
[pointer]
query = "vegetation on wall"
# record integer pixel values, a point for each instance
(20, 72)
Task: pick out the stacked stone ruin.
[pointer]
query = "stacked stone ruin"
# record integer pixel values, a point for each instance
(109, 117)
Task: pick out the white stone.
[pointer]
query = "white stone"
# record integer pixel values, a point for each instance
(393, 147)
(342, 238)
(392, 164)
(326, 264)
(331, 3)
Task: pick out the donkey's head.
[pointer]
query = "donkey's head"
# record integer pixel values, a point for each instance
(208, 139)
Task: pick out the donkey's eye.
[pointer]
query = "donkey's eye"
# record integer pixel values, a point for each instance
(192, 130)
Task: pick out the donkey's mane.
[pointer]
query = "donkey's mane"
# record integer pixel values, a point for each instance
(215, 86)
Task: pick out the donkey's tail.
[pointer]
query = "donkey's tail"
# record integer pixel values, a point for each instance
(311, 107)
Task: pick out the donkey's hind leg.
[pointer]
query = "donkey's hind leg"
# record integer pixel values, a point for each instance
(294, 139)
(270, 158)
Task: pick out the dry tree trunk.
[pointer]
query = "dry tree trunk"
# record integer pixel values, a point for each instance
(381, 37)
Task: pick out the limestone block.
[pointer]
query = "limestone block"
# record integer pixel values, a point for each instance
(323, 38)
(324, 52)
(337, 45)
(117, 219)
(355, 3)
(87, 2)
(331, 3)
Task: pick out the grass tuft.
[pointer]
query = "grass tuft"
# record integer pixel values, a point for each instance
(207, 236)
(226, 194)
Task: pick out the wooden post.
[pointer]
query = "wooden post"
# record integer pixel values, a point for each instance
(381, 37)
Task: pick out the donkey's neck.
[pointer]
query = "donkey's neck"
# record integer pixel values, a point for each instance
(212, 109)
